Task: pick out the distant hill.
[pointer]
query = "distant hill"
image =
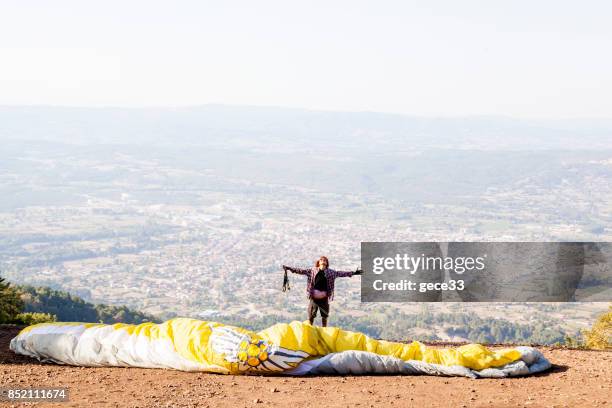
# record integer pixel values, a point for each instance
(70, 308)
(287, 129)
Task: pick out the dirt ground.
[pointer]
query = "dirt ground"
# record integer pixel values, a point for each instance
(578, 379)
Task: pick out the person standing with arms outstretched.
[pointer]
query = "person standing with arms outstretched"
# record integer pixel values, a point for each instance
(320, 286)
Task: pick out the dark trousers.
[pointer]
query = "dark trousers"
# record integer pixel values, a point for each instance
(321, 305)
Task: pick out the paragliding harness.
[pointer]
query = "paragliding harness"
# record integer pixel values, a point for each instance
(286, 286)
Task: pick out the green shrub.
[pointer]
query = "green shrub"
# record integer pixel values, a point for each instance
(600, 335)
(30, 318)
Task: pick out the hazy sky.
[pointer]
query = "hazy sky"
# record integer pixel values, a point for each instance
(520, 58)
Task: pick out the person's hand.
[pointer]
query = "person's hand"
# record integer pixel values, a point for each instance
(358, 272)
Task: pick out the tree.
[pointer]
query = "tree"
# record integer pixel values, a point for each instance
(600, 335)
(10, 302)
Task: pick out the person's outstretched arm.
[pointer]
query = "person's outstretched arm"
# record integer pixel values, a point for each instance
(299, 271)
(348, 274)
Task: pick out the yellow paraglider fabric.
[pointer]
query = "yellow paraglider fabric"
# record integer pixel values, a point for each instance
(319, 341)
(194, 345)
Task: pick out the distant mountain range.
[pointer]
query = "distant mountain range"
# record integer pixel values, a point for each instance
(219, 148)
(282, 129)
